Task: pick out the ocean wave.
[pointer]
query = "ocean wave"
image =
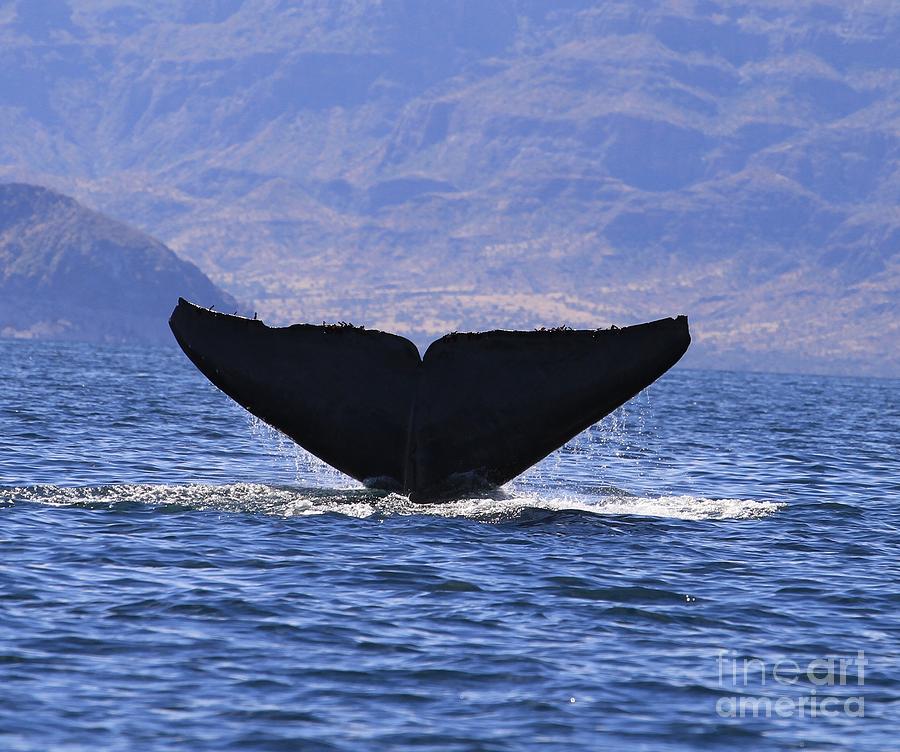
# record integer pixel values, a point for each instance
(292, 501)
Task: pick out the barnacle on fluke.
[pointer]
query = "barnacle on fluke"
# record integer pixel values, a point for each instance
(475, 411)
(336, 325)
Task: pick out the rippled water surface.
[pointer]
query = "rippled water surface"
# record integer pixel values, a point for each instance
(175, 576)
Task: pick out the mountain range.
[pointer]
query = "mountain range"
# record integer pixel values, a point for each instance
(425, 167)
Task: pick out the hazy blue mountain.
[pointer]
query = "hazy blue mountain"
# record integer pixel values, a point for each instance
(67, 272)
(452, 164)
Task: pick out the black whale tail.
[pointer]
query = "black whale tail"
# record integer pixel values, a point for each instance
(475, 411)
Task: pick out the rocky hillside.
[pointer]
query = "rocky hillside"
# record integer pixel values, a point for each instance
(430, 166)
(67, 272)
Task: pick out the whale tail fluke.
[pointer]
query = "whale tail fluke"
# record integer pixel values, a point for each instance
(476, 410)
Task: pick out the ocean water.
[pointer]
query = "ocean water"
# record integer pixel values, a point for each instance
(714, 566)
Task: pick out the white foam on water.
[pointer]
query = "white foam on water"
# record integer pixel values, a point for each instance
(674, 507)
(236, 497)
(683, 507)
(291, 501)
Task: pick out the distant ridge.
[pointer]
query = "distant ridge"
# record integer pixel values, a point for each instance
(67, 272)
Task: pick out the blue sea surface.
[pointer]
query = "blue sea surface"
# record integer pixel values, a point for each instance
(714, 566)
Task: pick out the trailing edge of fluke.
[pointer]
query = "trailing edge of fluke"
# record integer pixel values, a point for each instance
(474, 412)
